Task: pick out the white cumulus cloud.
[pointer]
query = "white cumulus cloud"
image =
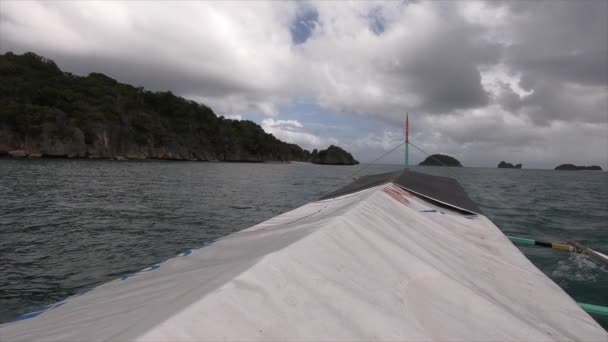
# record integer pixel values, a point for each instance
(292, 131)
(480, 78)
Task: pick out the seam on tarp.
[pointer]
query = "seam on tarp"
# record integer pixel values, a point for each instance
(426, 197)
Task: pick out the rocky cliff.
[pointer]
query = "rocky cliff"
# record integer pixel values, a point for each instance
(333, 155)
(440, 160)
(45, 112)
(505, 165)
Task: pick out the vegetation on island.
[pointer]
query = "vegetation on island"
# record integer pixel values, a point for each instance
(333, 155)
(572, 167)
(505, 165)
(50, 113)
(440, 160)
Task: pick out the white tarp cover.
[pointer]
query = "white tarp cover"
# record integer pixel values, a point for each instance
(379, 264)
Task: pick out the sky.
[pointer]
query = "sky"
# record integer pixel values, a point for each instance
(523, 81)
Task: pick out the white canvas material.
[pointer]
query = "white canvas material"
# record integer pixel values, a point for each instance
(378, 264)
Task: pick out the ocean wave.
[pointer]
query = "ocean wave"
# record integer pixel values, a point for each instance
(579, 267)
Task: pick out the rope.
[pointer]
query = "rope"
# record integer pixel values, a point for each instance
(453, 173)
(375, 160)
(366, 166)
(590, 308)
(466, 179)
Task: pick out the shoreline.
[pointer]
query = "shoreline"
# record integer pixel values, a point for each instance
(25, 156)
(123, 158)
(6, 156)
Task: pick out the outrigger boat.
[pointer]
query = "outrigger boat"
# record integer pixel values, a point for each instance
(395, 256)
(400, 256)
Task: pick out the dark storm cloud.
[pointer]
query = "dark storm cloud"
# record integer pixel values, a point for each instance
(444, 71)
(498, 73)
(446, 74)
(560, 51)
(555, 101)
(588, 67)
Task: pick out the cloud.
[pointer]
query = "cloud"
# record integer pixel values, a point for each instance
(235, 117)
(385, 142)
(293, 131)
(426, 59)
(200, 49)
(481, 79)
(560, 52)
(375, 145)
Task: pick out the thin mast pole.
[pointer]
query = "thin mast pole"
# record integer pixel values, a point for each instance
(407, 141)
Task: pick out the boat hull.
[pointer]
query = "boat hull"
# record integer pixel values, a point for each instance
(380, 263)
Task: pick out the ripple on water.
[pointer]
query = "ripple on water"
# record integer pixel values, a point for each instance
(579, 268)
(66, 225)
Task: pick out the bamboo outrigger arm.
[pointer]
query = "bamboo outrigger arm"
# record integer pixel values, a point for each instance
(601, 257)
(569, 246)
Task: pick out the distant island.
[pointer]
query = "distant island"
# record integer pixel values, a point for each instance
(505, 165)
(440, 160)
(45, 112)
(333, 155)
(572, 167)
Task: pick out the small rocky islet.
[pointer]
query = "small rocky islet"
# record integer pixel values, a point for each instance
(505, 165)
(572, 167)
(46, 112)
(440, 160)
(333, 155)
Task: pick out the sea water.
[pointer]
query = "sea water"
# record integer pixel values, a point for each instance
(69, 225)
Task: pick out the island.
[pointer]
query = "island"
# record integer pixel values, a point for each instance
(440, 160)
(333, 155)
(46, 112)
(572, 167)
(505, 165)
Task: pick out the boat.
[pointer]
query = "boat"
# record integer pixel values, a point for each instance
(395, 256)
